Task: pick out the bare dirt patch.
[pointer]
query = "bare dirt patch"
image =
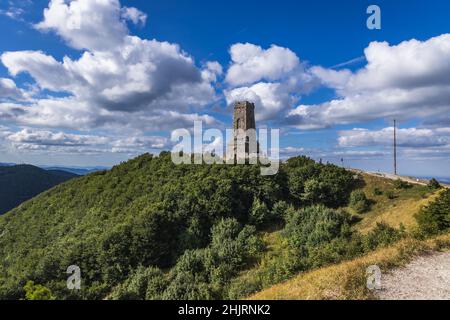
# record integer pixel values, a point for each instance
(425, 278)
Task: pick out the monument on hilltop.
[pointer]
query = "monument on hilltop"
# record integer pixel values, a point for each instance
(243, 145)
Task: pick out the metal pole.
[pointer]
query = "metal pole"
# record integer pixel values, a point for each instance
(395, 147)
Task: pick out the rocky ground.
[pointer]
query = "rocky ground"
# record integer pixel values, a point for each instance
(425, 278)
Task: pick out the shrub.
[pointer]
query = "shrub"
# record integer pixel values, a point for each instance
(435, 218)
(434, 184)
(316, 183)
(315, 191)
(204, 273)
(382, 235)
(259, 213)
(189, 279)
(332, 252)
(243, 287)
(358, 201)
(400, 184)
(377, 192)
(233, 243)
(314, 225)
(37, 292)
(390, 195)
(281, 267)
(144, 284)
(279, 210)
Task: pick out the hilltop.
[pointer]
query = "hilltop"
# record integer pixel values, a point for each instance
(149, 213)
(149, 229)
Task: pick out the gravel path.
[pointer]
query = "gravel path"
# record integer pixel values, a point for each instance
(425, 278)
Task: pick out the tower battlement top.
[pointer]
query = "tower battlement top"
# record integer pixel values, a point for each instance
(244, 104)
(244, 115)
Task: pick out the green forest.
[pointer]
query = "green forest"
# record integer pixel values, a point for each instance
(149, 229)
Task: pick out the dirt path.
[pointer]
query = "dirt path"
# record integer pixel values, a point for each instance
(425, 278)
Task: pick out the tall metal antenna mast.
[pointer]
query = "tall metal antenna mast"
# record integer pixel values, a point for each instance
(395, 147)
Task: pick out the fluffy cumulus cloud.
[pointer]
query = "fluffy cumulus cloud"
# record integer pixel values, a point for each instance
(136, 16)
(93, 25)
(9, 90)
(49, 138)
(408, 80)
(120, 80)
(413, 143)
(251, 63)
(127, 88)
(273, 78)
(57, 141)
(271, 99)
(410, 137)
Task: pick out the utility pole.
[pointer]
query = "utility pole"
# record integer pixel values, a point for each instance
(395, 147)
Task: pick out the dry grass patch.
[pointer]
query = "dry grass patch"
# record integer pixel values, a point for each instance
(347, 280)
(397, 211)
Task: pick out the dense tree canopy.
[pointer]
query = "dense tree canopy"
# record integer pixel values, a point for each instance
(148, 224)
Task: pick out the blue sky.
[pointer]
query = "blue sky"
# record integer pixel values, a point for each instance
(76, 97)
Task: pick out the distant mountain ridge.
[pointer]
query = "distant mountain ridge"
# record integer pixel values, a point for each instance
(19, 183)
(81, 171)
(2, 164)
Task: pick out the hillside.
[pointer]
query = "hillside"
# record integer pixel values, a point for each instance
(152, 214)
(148, 229)
(19, 183)
(347, 280)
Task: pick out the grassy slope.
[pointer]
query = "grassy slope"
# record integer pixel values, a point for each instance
(346, 280)
(394, 212)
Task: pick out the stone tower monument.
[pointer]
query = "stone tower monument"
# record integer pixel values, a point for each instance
(244, 144)
(244, 116)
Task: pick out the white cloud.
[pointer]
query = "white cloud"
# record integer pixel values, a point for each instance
(410, 64)
(93, 24)
(251, 63)
(4, 131)
(212, 71)
(270, 99)
(47, 72)
(272, 78)
(9, 90)
(15, 9)
(134, 15)
(332, 78)
(409, 80)
(48, 138)
(45, 140)
(119, 81)
(409, 137)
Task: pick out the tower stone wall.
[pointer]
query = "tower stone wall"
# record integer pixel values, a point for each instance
(244, 143)
(244, 115)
